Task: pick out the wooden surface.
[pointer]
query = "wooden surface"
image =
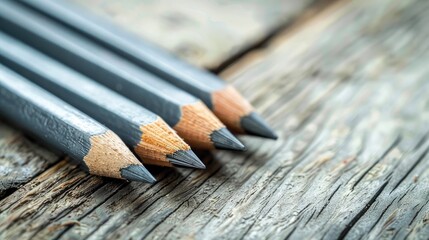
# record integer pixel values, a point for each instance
(347, 91)
(205, 32)
(20, 159)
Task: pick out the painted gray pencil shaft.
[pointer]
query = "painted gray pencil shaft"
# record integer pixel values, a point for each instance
(56, 123)
(95, 62)
(32, 109)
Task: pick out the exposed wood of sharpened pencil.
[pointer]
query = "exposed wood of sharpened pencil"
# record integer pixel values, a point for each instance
(185, 113)
(98, 149)
(150, 137)
(223, 99)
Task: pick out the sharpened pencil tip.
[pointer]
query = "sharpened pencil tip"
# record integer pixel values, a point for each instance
(137, 173)
(223, 139)
(186, 158)
(255, 125)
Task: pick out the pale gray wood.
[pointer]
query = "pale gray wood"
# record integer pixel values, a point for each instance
(348, 96)
(20, 159)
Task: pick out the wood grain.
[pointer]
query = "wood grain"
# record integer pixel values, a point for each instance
(347, 92)
(205, 33)
(20, 159)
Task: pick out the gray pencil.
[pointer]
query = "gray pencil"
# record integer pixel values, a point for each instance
(231, 108)
(99, 150)
(143, 131)
(186, 114)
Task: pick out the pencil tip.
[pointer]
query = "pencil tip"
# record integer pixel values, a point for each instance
(137, 173)
(255, 125)
(186, 158)
(223, 139)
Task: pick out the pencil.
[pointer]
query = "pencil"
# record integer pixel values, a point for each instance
(99, 150)
(185, 113)
(223, 99)
(143, 131)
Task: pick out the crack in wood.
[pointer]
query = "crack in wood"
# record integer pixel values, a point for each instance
(362, 212)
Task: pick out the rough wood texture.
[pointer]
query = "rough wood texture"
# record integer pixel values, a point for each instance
(20, 160)
(347, 92)
(203, 32)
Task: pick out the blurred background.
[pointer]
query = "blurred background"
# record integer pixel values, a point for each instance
(205, 33)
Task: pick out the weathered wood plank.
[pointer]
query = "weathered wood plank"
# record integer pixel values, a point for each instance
(348, 95)
(20, 160)
(205, 33)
